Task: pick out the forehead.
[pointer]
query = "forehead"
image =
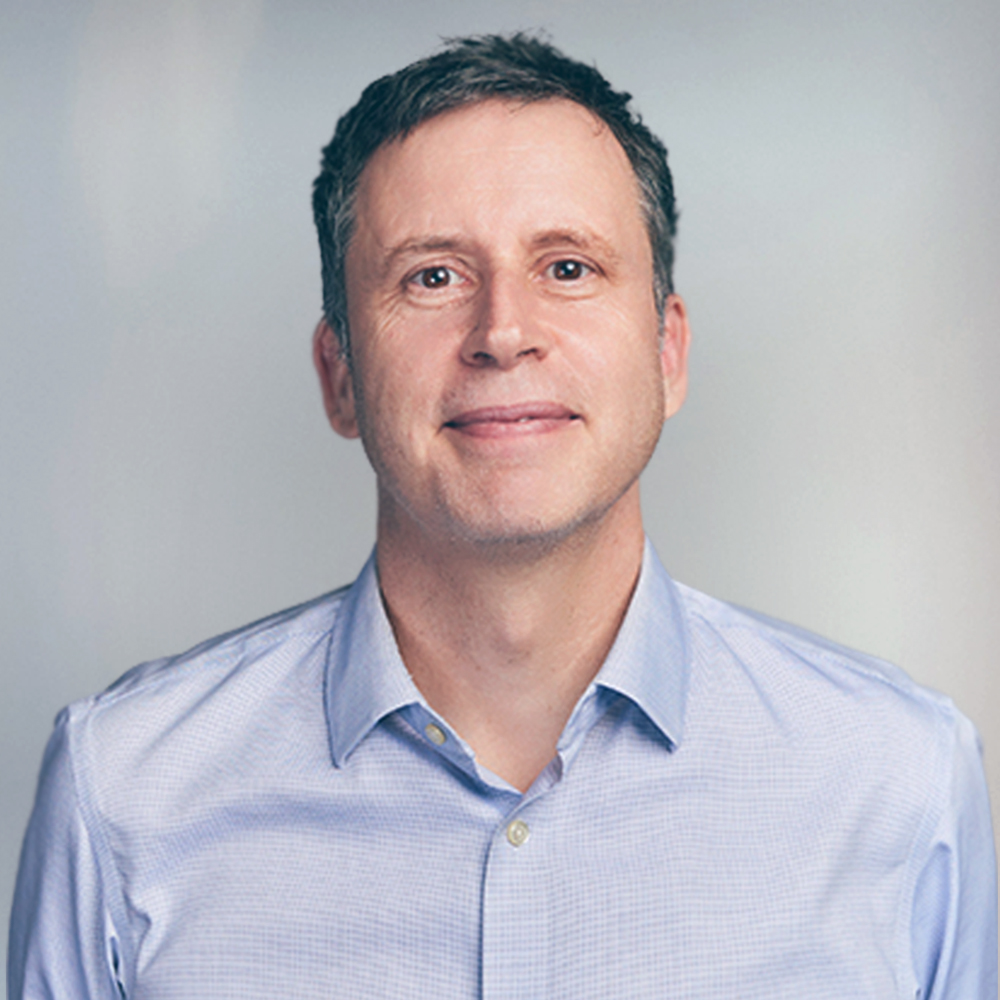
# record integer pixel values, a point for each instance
(501, 166)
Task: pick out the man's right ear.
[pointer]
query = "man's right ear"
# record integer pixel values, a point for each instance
(335, 381)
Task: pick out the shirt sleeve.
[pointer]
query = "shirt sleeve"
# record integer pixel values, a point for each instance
(954, 924)
(62, 942)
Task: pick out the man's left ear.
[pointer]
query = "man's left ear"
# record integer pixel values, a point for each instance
(335, 381)
(676, 339)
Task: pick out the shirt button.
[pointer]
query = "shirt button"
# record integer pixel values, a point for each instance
(435, 733)
(517, 832)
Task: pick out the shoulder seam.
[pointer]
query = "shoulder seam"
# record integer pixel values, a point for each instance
(821, 648)
(220, 649)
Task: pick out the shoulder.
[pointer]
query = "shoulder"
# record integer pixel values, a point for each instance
(271, 645)
(780, 657)
(846, 729)
(227, 654)
(178, 719)
(847, 724)
(852, 768)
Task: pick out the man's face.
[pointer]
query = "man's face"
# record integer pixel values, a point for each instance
(510, 371)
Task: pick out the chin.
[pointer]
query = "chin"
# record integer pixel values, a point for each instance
(519, 535)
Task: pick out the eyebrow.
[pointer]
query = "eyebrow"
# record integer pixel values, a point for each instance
(432, 244)
(579, 239)
(582, 239)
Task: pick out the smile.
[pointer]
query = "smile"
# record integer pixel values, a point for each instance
(507, 421)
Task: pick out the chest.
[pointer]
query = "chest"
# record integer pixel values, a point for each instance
(625, 882)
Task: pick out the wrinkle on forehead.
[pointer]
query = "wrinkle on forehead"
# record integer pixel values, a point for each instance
(483, 161)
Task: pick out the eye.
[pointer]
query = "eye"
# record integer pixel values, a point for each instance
(569, 270)
(438, 276)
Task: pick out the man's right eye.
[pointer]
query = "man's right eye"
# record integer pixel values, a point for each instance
(436, 277)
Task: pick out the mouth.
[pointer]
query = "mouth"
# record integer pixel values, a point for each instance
(508, 421)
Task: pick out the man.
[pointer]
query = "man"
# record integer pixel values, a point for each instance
(514, 759)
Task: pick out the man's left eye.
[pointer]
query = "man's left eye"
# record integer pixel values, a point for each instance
(568, 270)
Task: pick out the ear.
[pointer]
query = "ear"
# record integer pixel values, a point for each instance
(676, 339)
(335, 381)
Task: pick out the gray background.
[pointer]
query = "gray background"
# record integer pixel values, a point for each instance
(167, 472)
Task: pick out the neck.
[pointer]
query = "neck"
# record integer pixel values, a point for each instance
(502, 642)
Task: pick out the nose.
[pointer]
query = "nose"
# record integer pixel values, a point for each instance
(504, 329)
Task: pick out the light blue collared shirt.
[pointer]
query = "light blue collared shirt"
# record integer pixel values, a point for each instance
(737, 810)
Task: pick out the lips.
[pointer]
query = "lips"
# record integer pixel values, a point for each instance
(506, 421)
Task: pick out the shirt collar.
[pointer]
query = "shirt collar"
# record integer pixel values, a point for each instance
(649, 662)
(367, 680)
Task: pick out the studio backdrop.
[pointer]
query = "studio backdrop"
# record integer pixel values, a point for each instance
(167, 469)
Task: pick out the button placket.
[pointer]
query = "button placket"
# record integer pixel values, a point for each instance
(516, 921)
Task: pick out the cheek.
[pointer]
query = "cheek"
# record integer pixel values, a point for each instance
(401, 396)
(640, 393)
(617, 361)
